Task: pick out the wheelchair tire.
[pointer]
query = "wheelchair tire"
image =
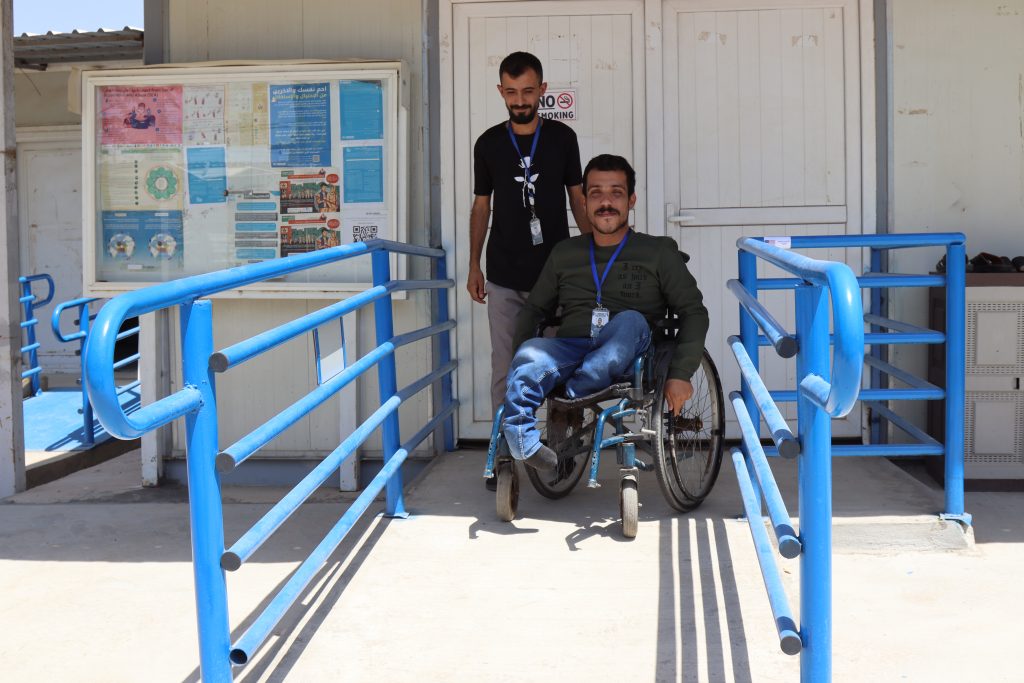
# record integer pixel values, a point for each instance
(507, 499)
(566, 434)
(688, 447)
(629, 507)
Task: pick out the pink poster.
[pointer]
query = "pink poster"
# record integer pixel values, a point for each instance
(141, 115)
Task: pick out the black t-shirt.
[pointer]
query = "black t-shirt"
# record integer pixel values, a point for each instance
(512, 259)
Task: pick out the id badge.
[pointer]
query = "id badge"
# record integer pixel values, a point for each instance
(599, 317)
(535, 233)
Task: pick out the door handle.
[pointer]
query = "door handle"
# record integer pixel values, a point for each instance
(681, 218)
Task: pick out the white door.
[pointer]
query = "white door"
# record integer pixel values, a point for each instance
(595, 48)
(50, 220)
(762, 136)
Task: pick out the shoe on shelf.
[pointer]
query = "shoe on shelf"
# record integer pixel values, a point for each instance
(990, 263)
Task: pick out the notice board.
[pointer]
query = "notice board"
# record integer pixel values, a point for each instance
(196, 168)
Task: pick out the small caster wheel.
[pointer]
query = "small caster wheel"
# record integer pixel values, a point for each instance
(629, 507)
(507, 500)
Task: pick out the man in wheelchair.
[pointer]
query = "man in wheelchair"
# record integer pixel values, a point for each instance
(613, 286)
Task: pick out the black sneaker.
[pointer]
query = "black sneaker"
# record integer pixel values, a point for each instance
(543, 460)
(491, 483)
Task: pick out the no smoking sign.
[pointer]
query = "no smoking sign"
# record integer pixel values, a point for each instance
(559, 105)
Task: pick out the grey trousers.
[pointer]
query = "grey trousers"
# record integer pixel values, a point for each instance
(503, 305)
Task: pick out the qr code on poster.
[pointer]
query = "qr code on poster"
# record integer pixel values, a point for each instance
(361, 233)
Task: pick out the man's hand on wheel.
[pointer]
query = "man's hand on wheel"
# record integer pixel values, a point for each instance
(677, 392)
(475, 285)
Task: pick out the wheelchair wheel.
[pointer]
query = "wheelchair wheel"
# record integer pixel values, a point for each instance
(629, 507)
(688, 447)
(566, 433)
(507, 500)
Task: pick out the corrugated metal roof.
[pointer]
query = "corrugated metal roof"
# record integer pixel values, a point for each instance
(36, 51)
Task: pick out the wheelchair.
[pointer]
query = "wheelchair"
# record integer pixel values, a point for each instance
(685, 450)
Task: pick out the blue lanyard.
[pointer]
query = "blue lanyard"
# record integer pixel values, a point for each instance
(533, 145)
(608, 266)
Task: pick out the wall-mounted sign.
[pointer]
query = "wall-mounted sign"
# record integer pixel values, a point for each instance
(559, 105)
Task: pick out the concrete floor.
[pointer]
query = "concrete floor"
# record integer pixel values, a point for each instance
(98, 585)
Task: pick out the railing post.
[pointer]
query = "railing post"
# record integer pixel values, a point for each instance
(87, 418)
(878, 351)
(815, 490)
(748, 335)
(30, 335)
(445, 353)
(954, 437)
(205, 511)
(387, 383)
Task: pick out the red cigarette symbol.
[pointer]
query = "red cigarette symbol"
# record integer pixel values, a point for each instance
(564, 100)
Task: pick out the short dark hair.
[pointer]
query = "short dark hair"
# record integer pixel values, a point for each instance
(517, 63)
(611, 162)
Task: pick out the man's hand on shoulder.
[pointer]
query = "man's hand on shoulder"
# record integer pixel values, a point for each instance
(677, 393)
(475, 285)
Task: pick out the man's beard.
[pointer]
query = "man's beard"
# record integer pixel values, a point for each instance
(620, 226)
(522, 116)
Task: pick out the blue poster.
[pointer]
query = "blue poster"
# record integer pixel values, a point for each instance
(364, 175)
(300, 125)
(143, 240)
(362, 110)
(207, 175)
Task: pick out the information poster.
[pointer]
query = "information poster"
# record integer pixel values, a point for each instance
(141, 115)
(300, 128)
(235, 166)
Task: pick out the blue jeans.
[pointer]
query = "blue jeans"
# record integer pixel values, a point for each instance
(585, 365)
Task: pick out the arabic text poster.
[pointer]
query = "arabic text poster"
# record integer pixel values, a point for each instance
(300, 125)
(313, 191)
(140, 115)
(207, 175)
(362, 110)
(364, 174)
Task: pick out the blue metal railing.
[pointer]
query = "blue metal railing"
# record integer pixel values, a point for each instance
(820, 398)
(197, 403)
(84, 316)
(29, 302)
(823, 393)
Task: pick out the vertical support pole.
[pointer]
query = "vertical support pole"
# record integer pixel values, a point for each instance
(955, 319)
(154, 384)
(444, 355)
(12, 441)
(875, 425)
(30, 334)
(87, 418)
(748, 335)
(815, 490)
(205, 511)
(387, 382)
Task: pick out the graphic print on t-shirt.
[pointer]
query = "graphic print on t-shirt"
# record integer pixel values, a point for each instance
(527, 180)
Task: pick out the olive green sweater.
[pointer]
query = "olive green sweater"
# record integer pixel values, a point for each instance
(649, 276)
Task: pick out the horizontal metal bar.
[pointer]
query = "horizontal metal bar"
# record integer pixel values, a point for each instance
(782, 435)
(126, 334)
(422, 333)
(429, 428)
(785, 625)
(255, 635)
(878, 338)
(789, 396)
(31, 322)
(902, 423)
(236, 354)
(412, 285)
(866, 281)
(237, 452)
(892, 450)
(890, 324)
(31, 371)
(126, 361)
(782, 341)
(879, 240)
(789, 545)
(128, 387)
(26, 299)
(425, 381)
(902, 375)
(258, 533)
(30, 347)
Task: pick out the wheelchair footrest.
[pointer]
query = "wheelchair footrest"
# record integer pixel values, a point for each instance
(621, 390)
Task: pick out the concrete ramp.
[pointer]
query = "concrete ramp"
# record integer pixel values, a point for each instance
(452, 594)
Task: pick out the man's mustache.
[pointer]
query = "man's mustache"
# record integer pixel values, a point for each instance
(607, 211)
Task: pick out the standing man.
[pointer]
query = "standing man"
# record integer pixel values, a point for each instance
(527, 164)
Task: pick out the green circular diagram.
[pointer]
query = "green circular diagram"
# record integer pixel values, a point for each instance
(161, 183)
